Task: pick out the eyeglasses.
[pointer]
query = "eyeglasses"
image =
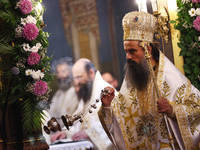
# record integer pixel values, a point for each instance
(78, 78)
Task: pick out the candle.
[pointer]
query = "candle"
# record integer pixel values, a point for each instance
(142, 6)
(154, 5)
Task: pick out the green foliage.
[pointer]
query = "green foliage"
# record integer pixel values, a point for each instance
(15, 50)
(189, 40)
(31, 115)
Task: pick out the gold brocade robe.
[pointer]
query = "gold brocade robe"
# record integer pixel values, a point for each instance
(134, 122)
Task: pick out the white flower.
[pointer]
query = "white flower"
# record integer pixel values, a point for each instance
(36, 75)
(38, 9)
(41, 75)
(46, 34)
(26, 47)
(18, 31)
(192, 12)
(41, 18)
(199, 38)
(185, 1)
(35, 48)
(31, 19)
(197, 11)
(38, 45)
(17, 5)
(23, 21)
(28, 72)
(28, 19)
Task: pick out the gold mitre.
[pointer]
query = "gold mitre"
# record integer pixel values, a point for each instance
(139, 25)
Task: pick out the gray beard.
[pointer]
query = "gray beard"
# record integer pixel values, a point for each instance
(137, 75)
(64, 84)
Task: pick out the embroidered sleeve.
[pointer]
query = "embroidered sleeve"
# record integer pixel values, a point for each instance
(107, 115)
(187, 114)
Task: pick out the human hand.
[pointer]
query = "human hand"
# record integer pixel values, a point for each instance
(107, 95)
(164, 106)
(57, 136)
(80, 136)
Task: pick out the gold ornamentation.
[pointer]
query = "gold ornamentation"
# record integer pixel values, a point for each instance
(161, 70)
(192, 107)
(163, 129)
(130, 116)
(167, 145)
(126, 30)
(183, 126)
(164, 145)
(166, 90)
(141, 146)
(139, 26)
(122, 102)
(162, 24)
(129, 135)
(147, 126)
(180, 94)
(133, 97)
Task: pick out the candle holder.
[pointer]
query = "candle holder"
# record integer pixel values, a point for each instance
(162, 23)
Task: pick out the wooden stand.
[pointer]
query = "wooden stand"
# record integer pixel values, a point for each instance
(14, 138)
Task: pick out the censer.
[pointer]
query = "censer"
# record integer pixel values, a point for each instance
(69, 120)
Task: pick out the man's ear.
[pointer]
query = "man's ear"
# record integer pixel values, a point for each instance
(149, 49)
(92, 73)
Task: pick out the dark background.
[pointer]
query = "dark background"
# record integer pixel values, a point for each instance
(58, 46)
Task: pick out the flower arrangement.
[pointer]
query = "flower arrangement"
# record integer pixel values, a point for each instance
(188, 23)
(23, 44)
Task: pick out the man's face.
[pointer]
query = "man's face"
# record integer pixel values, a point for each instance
(108, 78)
(83, 83)
(64, 81)
(136, 68)
(80, 77)
(134, 51)
(62, 71)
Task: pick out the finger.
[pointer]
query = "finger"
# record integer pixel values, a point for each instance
(53, 139)
(74, 136)
(60, 137)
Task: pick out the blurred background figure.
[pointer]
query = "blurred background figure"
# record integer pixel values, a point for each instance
(88, 84)
(108, 77)
(65, 100)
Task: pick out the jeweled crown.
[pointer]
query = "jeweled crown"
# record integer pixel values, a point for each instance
(139, 26)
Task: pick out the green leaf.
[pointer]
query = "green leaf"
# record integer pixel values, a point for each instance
(172, 21)
(4, 2)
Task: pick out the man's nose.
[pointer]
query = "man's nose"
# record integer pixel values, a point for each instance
(128, 56)
(76, 81)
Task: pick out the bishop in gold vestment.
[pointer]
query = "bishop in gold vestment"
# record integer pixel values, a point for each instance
(133, 119)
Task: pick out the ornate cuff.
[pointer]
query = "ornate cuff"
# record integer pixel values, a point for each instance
(104, 107)
(107, 114)
(172, 115)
